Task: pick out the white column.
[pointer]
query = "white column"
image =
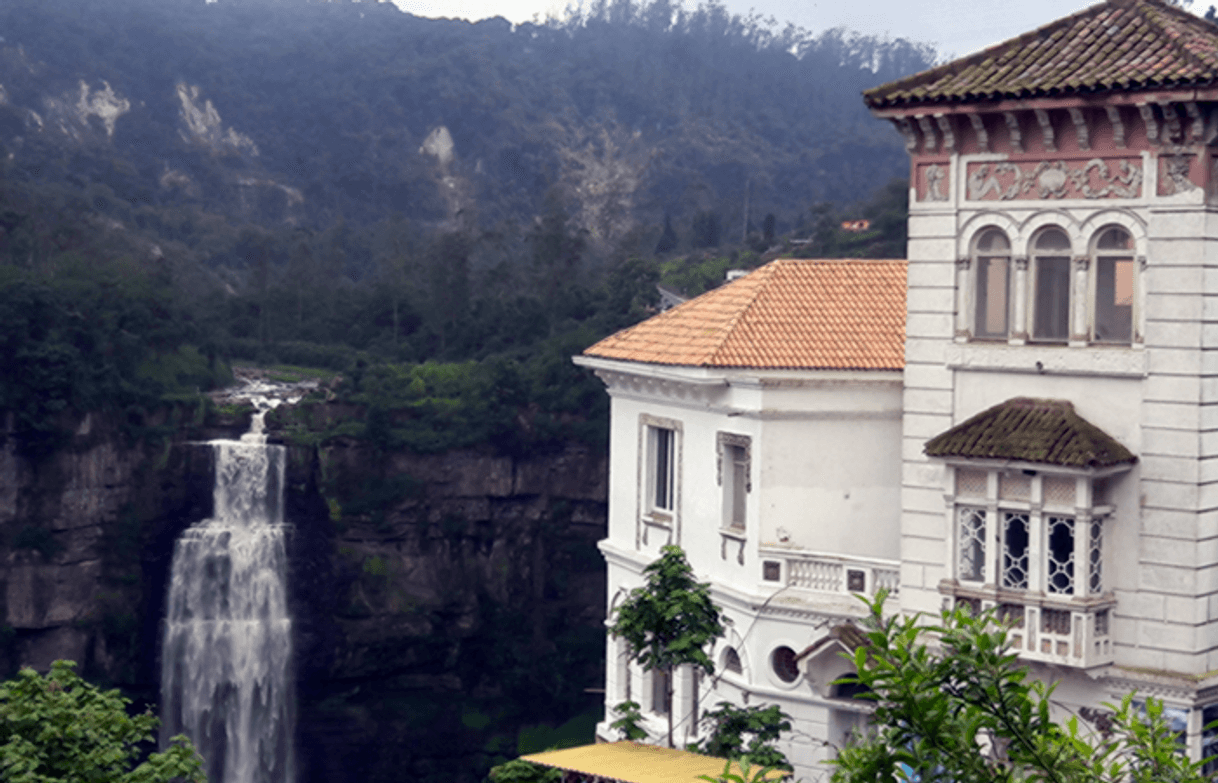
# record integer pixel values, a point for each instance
(1019, 312)
(1079, 333)
(963, 298)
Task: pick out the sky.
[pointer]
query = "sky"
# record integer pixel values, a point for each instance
(953, 26)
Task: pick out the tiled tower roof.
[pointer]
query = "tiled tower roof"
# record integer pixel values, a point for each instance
(1031, 430)
(789, 314)
(1116, 45)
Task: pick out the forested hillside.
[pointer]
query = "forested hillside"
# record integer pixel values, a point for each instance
(338, 184)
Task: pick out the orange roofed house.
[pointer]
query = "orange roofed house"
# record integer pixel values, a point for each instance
(1024, 415)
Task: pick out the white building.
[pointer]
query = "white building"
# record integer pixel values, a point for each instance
(1031, 423)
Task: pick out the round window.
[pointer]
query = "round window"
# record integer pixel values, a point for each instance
(784, 664)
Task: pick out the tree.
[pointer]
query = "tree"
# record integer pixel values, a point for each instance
(61, 728)
(964, 710)
(746, 734)
(670, 621)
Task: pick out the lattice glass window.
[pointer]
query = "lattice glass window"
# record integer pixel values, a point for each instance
(1014, 486)
(971, 483)
(972, 544)
(1095, 557)
(1059, 490)
(1015, 550)
(1059, 555)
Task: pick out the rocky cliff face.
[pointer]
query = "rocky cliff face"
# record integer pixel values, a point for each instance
(448, 609)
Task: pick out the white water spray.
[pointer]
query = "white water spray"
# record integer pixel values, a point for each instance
(226, 661)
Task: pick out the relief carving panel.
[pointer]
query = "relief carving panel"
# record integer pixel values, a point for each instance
(1056, 179)
(932, 181)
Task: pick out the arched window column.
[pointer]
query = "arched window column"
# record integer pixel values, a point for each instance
(1019, 320)
(1079, 332)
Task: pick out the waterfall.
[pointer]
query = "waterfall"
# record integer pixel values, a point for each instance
(226, 660)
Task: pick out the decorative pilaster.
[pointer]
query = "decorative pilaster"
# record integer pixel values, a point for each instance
(1078, 300)
(1019, 314)
(963, 265)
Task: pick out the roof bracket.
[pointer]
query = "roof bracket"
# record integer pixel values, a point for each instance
(945, 127)
(1013, 130)
(928, 133)
(1046, 129)
(1197, 128)
(1118, 127)
(1148, 117)
(983, 139)
(1171, 120)
(906, 129)
(1080, 127)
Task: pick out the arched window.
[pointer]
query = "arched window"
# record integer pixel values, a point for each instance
(1112, 258)
(1051, 286)
(992, 256)
(731, 661)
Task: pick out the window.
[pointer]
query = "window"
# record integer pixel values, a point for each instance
(1112, 261)
(659, 474)
(734, 477)
(659, 692)
(731, 661)
(992, 254)
(661, 443)
(1051, 286)
(782, 660)
(1038, 543)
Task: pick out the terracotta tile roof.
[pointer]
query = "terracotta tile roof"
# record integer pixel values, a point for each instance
(1031, 430)
(1117, 45)
(788, 314)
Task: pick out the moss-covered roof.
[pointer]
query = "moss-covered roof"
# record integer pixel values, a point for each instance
(1116, 45)
(1031, 430)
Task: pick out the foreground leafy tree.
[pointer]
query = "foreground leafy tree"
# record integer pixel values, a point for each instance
(59, 728)
(746, 734)
(669, 622)
(965, 711)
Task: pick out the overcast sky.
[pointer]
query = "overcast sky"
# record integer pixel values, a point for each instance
(953, 26)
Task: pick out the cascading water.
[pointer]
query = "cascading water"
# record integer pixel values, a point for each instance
(226, 660)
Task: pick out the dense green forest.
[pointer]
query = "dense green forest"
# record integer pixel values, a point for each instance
(344, 186)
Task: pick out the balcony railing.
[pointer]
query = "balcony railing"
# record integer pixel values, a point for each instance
(1071, 632)
(826, 573)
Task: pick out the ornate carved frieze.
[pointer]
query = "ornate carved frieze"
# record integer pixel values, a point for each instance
(658, 388)
(906, 128)
(932, 181)
(1097, 178)
(1174, 174)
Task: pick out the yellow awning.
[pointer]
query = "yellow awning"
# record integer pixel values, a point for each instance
(632, 762)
